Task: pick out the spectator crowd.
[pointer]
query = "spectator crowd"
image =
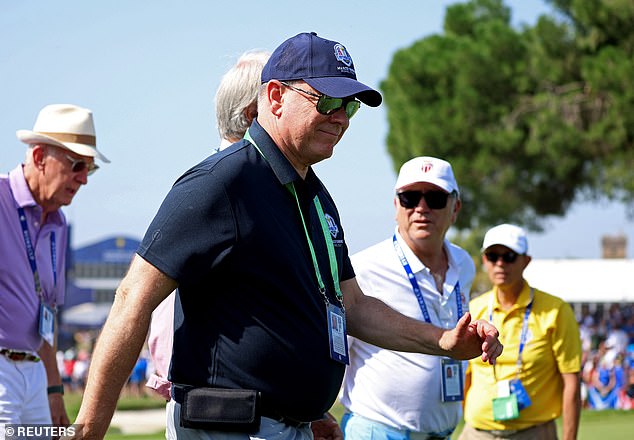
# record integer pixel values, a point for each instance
(608, 357)
(73, 366)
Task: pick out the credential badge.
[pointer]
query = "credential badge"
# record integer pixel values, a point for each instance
(342, 55)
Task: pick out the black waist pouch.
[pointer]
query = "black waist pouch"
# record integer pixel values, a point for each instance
(219, 409)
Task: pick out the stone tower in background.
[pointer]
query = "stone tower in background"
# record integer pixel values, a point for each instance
(614, 246)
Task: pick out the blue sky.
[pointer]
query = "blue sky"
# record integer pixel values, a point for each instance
(149, 70)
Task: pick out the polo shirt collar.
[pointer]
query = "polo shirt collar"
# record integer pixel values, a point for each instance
(282, 168)
(522, 300)
(24, 198)
(20, 189)
(414, 262)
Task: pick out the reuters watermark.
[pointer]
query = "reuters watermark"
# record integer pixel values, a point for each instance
(23, 431)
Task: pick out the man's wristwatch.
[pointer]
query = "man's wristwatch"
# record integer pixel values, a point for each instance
(55, 389)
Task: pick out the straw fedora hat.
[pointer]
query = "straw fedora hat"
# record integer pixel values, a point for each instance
(66, 126)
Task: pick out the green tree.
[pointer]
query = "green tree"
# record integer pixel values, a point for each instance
(531, 119)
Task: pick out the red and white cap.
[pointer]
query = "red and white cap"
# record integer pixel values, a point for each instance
(427, 169)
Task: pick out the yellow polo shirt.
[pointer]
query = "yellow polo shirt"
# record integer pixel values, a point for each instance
(553, 347)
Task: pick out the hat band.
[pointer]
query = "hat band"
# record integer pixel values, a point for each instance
(74, 138)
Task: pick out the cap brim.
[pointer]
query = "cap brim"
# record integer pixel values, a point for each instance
(30, 137)
(341, 87)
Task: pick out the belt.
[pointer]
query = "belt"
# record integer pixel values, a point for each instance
(500, 432)
(267, 412)
(508, 432)
(178, 394)
(18, 356)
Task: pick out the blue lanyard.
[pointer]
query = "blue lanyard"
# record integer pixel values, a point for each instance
(416, 289)
(30, 253)
(524, 332)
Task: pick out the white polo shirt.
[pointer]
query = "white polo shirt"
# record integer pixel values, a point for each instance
(398, 389)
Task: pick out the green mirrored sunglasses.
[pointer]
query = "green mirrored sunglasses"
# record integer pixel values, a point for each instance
(327, 105)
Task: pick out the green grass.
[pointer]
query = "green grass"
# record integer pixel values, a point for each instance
(126, 403)
(609, 424)
(113, 435)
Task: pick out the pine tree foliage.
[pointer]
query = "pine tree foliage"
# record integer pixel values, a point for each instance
(532, 119)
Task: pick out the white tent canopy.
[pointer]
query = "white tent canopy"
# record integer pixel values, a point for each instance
(584, 281)
(87, 315)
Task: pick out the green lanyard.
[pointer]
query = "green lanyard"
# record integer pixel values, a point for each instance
(324, 227)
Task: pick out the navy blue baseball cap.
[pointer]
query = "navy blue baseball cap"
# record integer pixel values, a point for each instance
(323, 64)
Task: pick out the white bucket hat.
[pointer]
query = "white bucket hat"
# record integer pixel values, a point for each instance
(66, 126)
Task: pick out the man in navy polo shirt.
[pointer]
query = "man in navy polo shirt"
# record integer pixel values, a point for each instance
(253, 242)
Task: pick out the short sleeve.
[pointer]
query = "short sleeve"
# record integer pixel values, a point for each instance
(193, 230)
(567, 341)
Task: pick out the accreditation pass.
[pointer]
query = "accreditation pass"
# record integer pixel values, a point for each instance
(337, 334)
(451, 374)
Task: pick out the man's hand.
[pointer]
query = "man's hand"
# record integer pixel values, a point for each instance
(58, 410)
(326, 428)
(471, 339)
(489, 335)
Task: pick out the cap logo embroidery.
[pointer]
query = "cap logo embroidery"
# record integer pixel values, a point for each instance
(427, 166)
(342, 54)
(332, 226)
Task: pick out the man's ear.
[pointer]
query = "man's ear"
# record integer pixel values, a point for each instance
(275, 96)
(251, 112)
(38, 152)
(456, 209)
(527, 259)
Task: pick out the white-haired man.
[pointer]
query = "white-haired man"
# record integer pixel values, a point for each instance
(392, 394)
(60, 156)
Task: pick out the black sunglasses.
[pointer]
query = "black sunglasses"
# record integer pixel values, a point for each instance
(79, 165)
(327, 105)
(507, 257)
(434, 199)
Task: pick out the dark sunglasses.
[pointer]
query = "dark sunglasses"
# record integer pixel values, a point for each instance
(507, 257)
(327, 105)
(434, 199)
(79, 165)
